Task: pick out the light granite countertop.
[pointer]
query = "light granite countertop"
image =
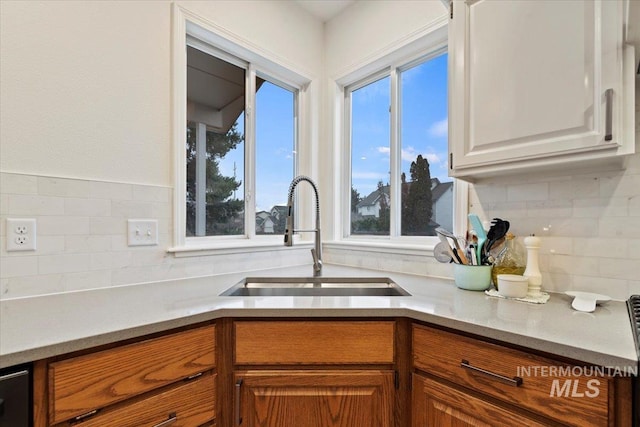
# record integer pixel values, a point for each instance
(33, 328)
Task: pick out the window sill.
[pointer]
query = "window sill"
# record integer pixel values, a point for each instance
(227, 247)
(384, 247)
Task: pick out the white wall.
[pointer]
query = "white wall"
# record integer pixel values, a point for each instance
(85, 131)
(86, 89)
(368, 29)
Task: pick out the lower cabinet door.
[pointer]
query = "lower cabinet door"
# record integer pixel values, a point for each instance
(317, 398)
(185, 404)
(435, 404)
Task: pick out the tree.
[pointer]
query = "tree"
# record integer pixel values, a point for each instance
(355, 199)
(417, 204)
(384, 216)
(221, 205)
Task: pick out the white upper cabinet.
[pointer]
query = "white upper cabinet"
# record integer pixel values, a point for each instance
(537, 84)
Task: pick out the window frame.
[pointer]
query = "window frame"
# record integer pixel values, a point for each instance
(398, 59)
(190, 29)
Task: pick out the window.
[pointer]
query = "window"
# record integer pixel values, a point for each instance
(397, 131)
(216, 152)
(238, 148)
(275, 154)
(215, 145)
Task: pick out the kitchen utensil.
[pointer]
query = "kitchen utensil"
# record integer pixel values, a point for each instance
(497, 231)
(442, 253)
(586, 301)
(457, 250)
(445, 243)
(481, 234)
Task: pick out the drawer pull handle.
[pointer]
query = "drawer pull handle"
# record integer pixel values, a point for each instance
(515, 381)
(608, 94)
(237, 402)
(172, 419)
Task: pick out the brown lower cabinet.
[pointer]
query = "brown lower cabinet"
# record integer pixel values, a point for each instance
(435, 404)
(320, 373)
(315, 398)
(158, 381)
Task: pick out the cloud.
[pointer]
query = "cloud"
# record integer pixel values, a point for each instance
(368, 175)
(410, 154)
(440, 128)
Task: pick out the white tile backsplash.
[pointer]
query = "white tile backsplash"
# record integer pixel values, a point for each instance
(63, 225)
(87, 207)
(11, 183)
(63, 263)
(588, 224)
(528, 192)
(110, 190)
(35, 205)
(82, 241)
(63, 187)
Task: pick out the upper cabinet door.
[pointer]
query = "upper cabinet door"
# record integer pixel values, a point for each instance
(529, 83)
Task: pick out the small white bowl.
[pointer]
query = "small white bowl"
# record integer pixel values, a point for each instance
(512, 285)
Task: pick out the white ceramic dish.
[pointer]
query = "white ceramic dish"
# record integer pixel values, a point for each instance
(512, 285)
(586, 301)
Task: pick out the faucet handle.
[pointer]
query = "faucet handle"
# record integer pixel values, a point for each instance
(317, 263)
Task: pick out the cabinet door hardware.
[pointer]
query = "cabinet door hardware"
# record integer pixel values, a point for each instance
(515, 381)
(194, 376)
(172, 419)
(85, 416)
(608, 95)
(237, 402)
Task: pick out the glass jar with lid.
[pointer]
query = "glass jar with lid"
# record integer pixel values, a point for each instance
(511, 260)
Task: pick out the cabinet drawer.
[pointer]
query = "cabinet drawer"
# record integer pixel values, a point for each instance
(434, 404)
(551, 388)
(313, 342)
(82, 384)
(190, 404)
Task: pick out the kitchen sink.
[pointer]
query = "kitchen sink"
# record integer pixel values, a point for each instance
(315, 286)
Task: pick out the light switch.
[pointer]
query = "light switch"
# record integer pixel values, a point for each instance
(142, 232)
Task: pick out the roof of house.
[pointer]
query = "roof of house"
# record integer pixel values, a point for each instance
(437, 190)
(280, 209)
(373, 197)
(440, 189)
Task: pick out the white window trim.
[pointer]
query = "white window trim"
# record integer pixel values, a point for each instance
(188, 25)
(430, 39)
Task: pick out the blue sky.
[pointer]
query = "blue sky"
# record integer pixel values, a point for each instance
(423, 130)
(274, 147)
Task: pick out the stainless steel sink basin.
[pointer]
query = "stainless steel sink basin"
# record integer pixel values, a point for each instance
(315, 286)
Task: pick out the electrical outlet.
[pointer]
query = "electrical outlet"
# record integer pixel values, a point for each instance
(21, 234)
(142, 232)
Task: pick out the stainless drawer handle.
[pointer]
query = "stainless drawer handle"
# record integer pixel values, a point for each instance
(515, 381)
(608, 95)
(237, 402)
(172, 419)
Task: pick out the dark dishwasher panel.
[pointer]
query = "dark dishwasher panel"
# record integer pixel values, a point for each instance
(15, 397)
